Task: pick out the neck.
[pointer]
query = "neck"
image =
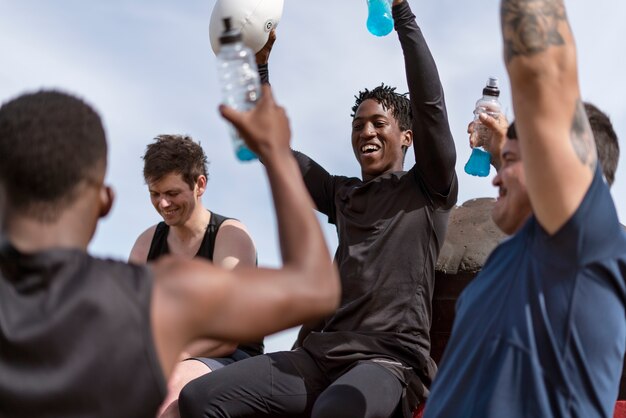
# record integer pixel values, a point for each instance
(194, 226)
(73, 228)
(31, 236)
(519, 226)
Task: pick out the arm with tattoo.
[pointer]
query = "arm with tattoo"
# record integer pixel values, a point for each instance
(557, 146)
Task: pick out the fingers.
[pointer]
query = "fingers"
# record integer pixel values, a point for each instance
(235, 117)
(230, 115)
(489, 121)
(254, 123)
(271, 39)
(263, 56)
(473, 137)
(473, 140)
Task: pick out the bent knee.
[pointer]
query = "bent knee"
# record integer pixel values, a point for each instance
(340, 400)
(192, 400)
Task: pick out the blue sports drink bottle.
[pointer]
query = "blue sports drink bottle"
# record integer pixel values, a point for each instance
(379, 18)
(479, 162)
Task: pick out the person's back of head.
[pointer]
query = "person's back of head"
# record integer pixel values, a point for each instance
(178, 154)
(50, 143)
(607, 144)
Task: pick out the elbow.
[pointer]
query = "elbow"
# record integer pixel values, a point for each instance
(334, 289)
(327, 288)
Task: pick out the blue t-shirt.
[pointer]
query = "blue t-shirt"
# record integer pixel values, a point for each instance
(541, 330)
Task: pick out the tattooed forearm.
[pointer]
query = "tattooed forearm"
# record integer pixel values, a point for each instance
(582, 138)
(531, 26)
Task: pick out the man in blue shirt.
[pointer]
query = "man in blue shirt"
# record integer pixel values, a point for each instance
(541, 331)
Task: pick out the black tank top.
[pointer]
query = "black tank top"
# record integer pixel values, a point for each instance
(73, 330)
(159, 247)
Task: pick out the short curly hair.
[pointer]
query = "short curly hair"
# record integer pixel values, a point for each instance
(50, 142)
(607, 143)
(399, 104)
(178, 154)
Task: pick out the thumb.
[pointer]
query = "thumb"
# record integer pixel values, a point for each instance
(489, 121)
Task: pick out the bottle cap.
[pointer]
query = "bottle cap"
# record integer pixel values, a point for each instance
(230, 35)
(491, 89)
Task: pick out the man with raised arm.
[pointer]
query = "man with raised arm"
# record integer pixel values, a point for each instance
(86, 337)
(372, 357)
(540, 332)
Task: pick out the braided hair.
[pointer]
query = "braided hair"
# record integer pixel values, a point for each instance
(399, 104)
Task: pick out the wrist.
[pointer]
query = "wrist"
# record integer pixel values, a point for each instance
(274, 152)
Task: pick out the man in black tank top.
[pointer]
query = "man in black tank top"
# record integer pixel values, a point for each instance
(175, 170)
(87, 337)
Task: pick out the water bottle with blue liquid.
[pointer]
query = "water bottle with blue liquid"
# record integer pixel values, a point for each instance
(379, 18)
(479, 162)
(239, 79)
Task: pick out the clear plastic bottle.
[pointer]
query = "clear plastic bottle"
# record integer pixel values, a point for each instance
(479, 162)
(379, 18)
(239, 79)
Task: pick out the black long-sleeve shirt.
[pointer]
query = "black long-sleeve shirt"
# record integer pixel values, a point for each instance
(390, 232)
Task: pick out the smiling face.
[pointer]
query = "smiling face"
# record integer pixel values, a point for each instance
(377, 140)
(175, 201)
(513, 205)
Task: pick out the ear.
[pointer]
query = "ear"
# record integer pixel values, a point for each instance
(201, 184)
(407, 138)
(107, 196)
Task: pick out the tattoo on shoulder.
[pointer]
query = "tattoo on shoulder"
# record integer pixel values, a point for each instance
(531, 26)
(582, 138)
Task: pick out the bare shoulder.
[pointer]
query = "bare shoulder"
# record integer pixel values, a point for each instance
(139, 252)
(234, 223)
(234, 246)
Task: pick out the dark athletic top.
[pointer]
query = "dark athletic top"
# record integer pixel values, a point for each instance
(540, 332)
(158, 247)
(390, 231)
(75, 337)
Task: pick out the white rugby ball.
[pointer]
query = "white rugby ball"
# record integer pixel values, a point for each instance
(255, 18)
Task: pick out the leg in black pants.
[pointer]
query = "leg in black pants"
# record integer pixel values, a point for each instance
(276, 384)
(367, 390)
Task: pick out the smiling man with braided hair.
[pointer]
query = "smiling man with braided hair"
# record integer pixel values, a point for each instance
(371, 358)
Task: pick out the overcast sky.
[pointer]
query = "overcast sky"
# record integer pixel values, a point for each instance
(148, 68)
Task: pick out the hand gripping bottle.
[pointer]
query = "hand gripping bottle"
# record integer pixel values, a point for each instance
(479, 162)
(379, 18)
(239, 79)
